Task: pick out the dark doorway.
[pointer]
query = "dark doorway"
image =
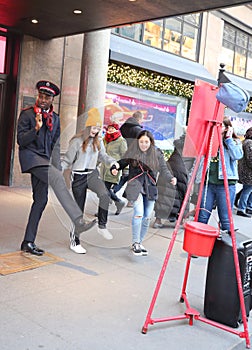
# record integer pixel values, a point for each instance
(9, 59)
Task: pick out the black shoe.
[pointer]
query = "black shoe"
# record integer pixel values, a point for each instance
(248, 211)
(235, 230)
(237, 197)
(172, 218)
(144, 250)
(241, 213)
(31, 247)
(81, 226)
(136, 249)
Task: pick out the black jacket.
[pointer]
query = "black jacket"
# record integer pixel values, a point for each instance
(169, 200)
(245, 164)
(37, 148)
(142, 179)
(130, 130)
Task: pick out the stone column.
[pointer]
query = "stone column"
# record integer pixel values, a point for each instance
(93, 77)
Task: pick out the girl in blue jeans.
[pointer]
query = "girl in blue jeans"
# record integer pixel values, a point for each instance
(214, 190)
(145, 162)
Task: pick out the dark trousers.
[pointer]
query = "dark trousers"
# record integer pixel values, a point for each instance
(93, 182)
(109, 186)
(123, 180)
(41, 178)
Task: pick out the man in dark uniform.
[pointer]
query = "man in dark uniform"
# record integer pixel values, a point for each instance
(38, 137)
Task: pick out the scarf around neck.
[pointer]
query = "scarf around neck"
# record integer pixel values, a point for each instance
(48, 116)
(112, 136)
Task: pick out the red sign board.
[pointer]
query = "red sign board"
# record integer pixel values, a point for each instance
(204, 108)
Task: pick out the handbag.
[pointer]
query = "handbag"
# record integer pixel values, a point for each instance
(150, 189)
(233, 97)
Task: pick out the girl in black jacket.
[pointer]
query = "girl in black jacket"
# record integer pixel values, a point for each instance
(145, 162)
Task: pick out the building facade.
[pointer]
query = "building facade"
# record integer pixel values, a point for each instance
(183, 48)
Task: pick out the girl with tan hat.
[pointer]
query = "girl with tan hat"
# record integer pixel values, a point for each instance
(86, 149)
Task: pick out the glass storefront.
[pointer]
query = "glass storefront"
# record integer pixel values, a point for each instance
(177, 35)
(237, 50)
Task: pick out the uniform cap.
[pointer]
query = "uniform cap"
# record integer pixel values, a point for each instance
(48, 88)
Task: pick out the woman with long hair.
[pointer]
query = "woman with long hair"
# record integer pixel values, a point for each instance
(86, 149)
(145, 161)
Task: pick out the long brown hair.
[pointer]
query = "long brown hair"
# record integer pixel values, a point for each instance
(227, 122)
(84, 134)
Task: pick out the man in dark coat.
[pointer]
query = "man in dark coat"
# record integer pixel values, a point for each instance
(132, 127)
(38, 134)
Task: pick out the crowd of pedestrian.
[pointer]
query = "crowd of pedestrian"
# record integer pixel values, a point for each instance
(125, 157)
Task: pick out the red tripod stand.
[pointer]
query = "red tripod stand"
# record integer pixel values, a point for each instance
(212, 127)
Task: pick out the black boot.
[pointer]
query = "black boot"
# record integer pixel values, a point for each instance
(237, 197)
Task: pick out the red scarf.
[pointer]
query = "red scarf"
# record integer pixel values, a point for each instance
(112, 136)
(48, 116)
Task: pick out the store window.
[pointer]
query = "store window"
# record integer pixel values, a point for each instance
(133, 31)
(2, 49)
(178, 35)
(237, 50)
(153, 33)
(182, 35)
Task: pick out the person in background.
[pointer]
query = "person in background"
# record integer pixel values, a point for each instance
(129, 130)
(249, 202)
(145, 161)
(214, 183)
(115, 146)
(170, 199)
(85, 150)
(245, 176)
(38, 137)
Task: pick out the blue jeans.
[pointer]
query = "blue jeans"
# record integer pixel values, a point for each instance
(142, 211)
(216, 194)
(245, 200)
(249, 203)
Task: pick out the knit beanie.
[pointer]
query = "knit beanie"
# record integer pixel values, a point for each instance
(115, 125)
(94, 118)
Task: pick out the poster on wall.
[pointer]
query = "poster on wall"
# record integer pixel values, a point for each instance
(164, 116)
(241, 121)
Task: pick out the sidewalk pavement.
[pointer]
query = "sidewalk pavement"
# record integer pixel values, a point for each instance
(100, 300)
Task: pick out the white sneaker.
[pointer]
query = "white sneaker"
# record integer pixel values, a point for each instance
(144, 250)
(78, 248)
(105, 233)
